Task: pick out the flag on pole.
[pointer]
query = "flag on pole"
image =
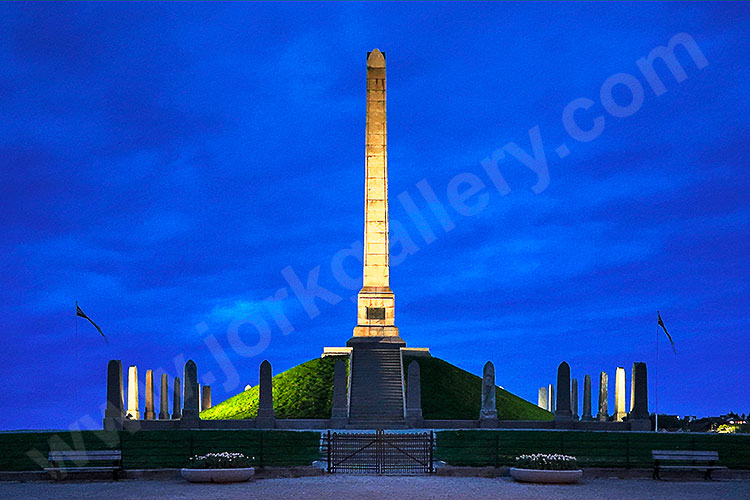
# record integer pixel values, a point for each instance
(82, 314)
(661, 324)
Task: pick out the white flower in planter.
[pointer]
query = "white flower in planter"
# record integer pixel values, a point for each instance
(222, 467)
(546, 468)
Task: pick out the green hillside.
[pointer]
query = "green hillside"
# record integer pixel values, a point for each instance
(448, 392)
(306, 391)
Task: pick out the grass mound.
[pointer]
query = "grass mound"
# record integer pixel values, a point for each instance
(450, 393)
(306, 391)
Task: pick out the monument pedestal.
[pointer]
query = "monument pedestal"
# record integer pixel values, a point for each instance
(190, 423)
(379, 332)
(113, 423)
(488, 422)
(564, 424)
(265, 419)
(372, 342)
(641, 424)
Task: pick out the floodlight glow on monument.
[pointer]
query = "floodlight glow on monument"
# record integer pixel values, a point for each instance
(375, 302)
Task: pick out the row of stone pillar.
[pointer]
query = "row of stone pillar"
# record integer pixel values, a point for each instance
(116, 411)
(565, 406)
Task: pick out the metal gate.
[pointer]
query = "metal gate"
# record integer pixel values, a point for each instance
(380, 453)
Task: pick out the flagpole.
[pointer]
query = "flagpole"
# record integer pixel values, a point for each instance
(75, 349)
(656, 381)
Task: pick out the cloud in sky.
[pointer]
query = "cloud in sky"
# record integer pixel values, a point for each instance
(163, 163)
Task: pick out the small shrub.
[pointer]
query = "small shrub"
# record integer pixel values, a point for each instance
(223, 460)
(542, 461)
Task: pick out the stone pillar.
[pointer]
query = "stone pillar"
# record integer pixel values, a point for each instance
(339, 407)
(149, 414)
(551, 398)
(603, 414)
(488, 413)
(640, 392)
(164, 398)
(206, 398)
(620, 394)
(543, 398)
(266, 418)
(562, 409)
(133, 412)
(114, 412)
(574, 398)
(190, 405)
(414, 396)
(587, 399)
(375, 302)
(177, 399)
(200, 399)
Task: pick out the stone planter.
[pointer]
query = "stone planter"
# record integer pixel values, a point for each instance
(546, 476)
(217, 475)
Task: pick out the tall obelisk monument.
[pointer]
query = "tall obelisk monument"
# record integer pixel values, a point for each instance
(376, 376)
(375, 302)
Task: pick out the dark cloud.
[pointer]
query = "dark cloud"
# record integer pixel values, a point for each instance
(162, 163)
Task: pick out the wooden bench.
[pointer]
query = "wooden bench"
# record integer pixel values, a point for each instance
(108, 460)
(698, 460)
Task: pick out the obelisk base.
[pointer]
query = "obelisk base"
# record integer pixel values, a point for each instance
(375, 333)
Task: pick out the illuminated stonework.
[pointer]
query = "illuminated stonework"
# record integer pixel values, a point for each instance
(620, 394)
(375, 303)
(132, 410)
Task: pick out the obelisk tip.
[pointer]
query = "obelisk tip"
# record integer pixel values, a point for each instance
(376, 59)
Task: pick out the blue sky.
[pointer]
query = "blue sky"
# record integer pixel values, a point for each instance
(170, 166)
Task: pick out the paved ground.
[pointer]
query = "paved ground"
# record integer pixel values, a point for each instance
(390, 488)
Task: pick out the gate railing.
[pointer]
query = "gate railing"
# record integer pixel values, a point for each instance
(380, 453)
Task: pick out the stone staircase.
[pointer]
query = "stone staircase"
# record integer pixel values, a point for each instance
(377, 397)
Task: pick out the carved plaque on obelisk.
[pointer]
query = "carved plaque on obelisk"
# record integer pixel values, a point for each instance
(375, 304)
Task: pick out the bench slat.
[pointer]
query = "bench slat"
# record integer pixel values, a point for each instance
(92, 453)
(86, 458)
(685, 455)
(59, 458)
(80, 469)
(692, 467)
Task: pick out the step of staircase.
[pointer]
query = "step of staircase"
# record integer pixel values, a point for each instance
(377, 396)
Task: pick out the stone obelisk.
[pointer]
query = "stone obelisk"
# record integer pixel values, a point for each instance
(376, 391)
(375, 302)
